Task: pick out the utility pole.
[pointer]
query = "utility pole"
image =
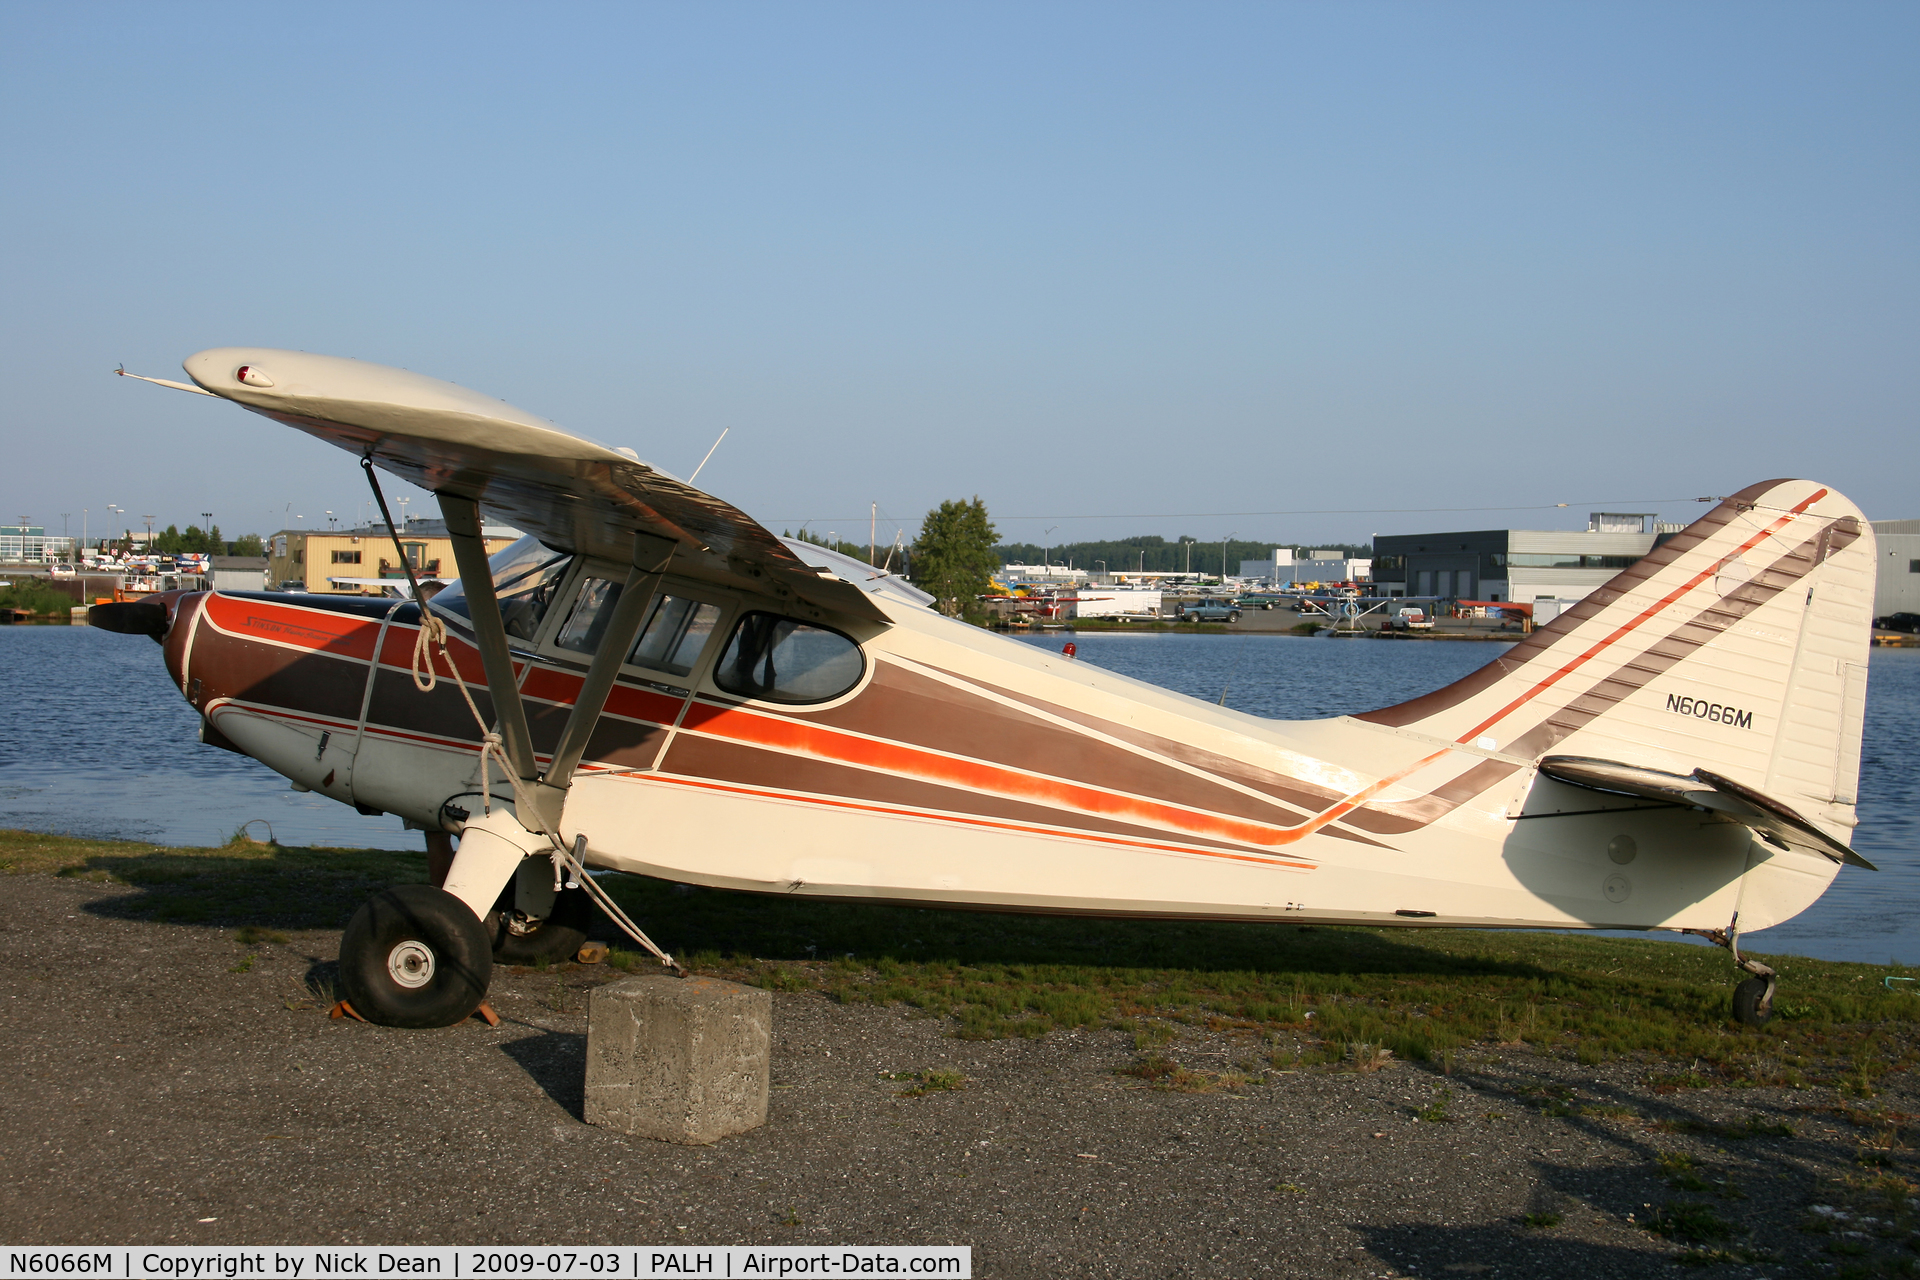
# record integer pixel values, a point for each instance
(1223, 557)
(1045, 562)
(149, 547)
(65, 536)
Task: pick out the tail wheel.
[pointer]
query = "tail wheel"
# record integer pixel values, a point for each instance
(415, 956)
(553, 939)
(1753, 1002)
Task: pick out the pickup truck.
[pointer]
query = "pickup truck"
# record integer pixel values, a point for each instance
(1412, 620)
(1263, 600)
(1212, 611)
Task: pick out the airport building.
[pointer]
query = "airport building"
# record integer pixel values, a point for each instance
(1897, 587)
(1288, 568)
(29, 544)
(353, 561)
(1551, 567)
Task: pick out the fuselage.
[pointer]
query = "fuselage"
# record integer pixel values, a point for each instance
(957, 767)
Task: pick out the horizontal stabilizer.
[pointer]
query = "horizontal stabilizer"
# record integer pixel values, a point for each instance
(1774, 821)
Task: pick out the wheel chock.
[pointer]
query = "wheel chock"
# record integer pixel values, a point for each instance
(485, 1011)
(342, 1009)
(592, 953)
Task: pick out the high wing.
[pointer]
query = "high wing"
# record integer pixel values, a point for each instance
(571, 493)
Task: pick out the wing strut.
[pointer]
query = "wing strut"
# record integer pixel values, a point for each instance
(489, 632)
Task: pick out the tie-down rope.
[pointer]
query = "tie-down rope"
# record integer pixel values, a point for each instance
(567, 863)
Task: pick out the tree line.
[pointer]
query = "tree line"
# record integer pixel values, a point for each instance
(173, 541)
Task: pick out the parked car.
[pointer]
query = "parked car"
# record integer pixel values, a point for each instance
(1908, 622)
(1262, 600)
(1226, 611)
(1411, 619)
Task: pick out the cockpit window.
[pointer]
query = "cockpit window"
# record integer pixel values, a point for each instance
(778, 659)
(587, 620)
(525, 577)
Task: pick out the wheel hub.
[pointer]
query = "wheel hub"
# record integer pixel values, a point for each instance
(411, 963)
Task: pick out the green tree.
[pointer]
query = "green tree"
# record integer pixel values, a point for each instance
(953, 558)
(247, 544)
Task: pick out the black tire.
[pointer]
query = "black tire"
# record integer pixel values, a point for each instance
(415, 956)
(1234, 616)
(1746, 1003)
(554, 940)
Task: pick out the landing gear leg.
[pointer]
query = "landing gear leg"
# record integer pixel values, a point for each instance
(1752, 999)
(439, 857)
(419, 955)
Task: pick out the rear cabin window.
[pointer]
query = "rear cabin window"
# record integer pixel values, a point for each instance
(675, 634)
(676, 630)
(778, 659)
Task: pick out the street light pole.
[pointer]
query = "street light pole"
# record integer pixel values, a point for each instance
(1046, 548)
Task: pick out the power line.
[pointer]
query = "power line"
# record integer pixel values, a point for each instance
(1326, 511)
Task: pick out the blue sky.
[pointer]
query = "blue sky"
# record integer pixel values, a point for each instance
(1099, 260)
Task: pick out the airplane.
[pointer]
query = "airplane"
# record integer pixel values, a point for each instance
(651, 682)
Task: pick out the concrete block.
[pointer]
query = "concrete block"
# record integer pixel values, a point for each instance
(679, 1059)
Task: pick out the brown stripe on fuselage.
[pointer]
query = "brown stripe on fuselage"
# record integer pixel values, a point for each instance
(316, 683)
(1397, 817)
(711, 759)
(905, 706)
(1308, 797)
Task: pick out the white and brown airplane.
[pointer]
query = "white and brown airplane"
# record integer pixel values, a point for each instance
(674, 691)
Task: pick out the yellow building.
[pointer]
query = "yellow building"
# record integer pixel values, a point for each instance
(354, 561)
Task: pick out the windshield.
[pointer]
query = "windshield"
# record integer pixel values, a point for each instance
(525, 577)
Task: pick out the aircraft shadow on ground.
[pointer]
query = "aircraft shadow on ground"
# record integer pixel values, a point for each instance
(270, 887)
(298, 888)
(778, 927)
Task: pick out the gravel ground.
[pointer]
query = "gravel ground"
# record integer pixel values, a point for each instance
(167, 1092)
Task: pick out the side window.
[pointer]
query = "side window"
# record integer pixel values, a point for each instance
(676, 632)
(778, 659)
(587, 620)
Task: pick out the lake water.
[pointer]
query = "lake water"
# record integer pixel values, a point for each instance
(95, 741)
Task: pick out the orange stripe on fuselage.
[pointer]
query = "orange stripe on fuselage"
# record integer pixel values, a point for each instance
(323, 631)
(741, 725)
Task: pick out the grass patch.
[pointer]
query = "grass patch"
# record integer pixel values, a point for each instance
(1362, 996)
(1694, 1223)
(38, 597)
(1541, 1221)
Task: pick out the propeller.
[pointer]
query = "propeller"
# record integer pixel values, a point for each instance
(131, 617)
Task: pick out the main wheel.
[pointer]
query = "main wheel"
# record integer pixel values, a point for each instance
(415, 956)
(1234, 616)
(556, 938)
(1747, 1008)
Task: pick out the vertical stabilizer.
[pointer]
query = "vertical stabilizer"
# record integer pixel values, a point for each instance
(1738, 645)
